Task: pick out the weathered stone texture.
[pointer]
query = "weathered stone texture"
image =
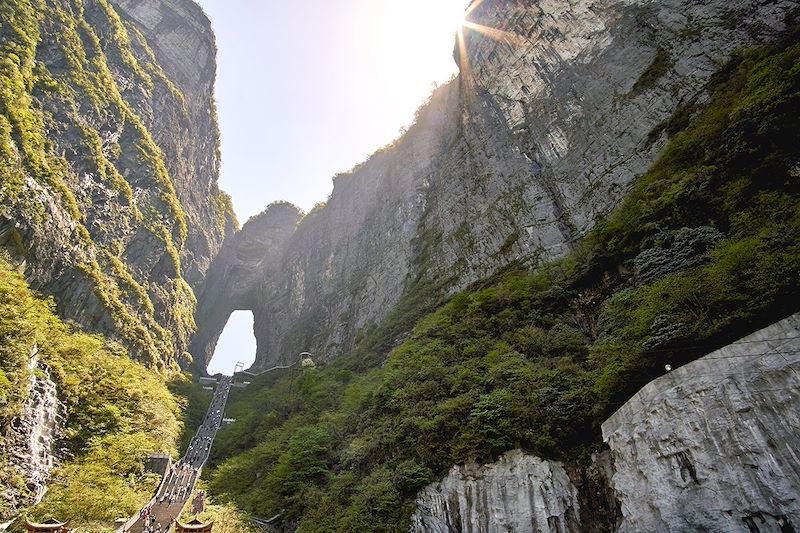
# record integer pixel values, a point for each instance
(180, 35)
(558, 107)
(234, 280)
(518, 493)
(711, 446)
(714, 445)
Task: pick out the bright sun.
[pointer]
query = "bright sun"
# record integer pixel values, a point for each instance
(406, 46)
(417, 36)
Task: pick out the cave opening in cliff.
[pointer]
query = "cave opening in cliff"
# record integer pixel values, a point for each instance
(237, 344)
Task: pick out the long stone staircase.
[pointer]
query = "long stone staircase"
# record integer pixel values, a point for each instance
(179, 480)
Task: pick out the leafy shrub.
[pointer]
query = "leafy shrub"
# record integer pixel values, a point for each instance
(117, 410)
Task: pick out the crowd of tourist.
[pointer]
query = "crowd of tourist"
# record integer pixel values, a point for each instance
(150, 521)
(180, 480)
(183, 474)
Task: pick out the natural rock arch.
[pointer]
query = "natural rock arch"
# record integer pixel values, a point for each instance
(237, 275)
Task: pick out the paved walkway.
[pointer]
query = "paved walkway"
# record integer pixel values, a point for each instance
(159, 515)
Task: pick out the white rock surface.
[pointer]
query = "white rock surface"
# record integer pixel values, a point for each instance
(715, 445)
(517, 493)
(711, 446)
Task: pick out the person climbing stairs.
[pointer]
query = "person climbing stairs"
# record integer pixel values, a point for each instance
(178, 483)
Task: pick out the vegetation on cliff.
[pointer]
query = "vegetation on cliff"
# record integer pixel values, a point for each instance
(117, 411)
(78, 163)
(705, 248)
(226, 519)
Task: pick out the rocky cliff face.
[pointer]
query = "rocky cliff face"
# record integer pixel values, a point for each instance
(235, 279)
(182, 41)
(518, 493)
(109, 163)
(558, 107)
(711, 446)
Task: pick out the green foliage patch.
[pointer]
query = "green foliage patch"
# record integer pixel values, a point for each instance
(117, 411)
(660, 65)
(196, 401)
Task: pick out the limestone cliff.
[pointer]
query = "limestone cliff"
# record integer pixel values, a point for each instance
(711, 446)
(558, 107)
(108, 192)
(235, 278)
(518, 493)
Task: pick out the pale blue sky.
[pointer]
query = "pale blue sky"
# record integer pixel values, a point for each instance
(236, 344)
(309, 88)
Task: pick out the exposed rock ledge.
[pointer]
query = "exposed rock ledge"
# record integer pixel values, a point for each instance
(714, 445)
(518, 493)
(711, 446)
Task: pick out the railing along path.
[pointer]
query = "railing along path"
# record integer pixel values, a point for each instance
(179, 479)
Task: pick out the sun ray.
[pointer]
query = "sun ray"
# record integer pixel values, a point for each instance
(472, 7)
(494, 33)
(463, 59)
(509, 38)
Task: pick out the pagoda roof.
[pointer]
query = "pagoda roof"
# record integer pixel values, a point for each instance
(48, 525)
(194, 525)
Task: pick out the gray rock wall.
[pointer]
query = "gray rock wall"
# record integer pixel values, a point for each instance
(518, 493)
(714, 445)
(234, 280)
(180, 35)
(711, 446)
(557, 108)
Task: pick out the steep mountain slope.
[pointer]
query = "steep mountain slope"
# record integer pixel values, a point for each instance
(102, 428)
(108, 204)
(707, 447)
(109, 163)
(77, 448)
(704, 248)
(558, 107)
